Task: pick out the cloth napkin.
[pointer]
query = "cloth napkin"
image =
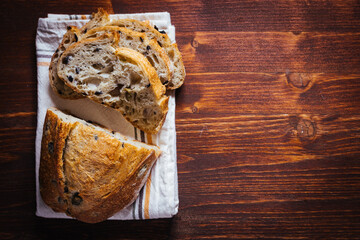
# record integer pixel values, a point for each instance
(159, 196)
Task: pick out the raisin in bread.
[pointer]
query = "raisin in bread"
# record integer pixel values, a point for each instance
(71, 36)
(120, 78)
(178, 74)
(139, 42)
(88, 172)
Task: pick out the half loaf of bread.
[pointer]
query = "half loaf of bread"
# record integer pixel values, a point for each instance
(87, 171)
(120, 78)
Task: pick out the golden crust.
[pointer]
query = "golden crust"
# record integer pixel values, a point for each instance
(136, 57)
(51, 176)
(87, 173)
(100, 18)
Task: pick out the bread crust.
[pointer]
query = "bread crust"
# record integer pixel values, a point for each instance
(57, 85)
(160, 41)
(164, 41)
(88, 173)
(51, 177)
(98, 19)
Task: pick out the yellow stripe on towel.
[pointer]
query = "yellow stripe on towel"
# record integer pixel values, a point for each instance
(148, 185)
(43, 63)
(149, 139)
(147, 198)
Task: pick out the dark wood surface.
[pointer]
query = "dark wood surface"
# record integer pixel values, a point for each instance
(268, 121)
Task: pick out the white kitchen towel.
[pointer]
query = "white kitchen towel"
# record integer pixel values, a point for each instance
(159, 197)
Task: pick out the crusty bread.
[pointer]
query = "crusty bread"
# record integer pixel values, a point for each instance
(98, 19)
(71, 36)
(120, 78)
(101, 18)
(172, 75)
(87, 171)
(139, 42)
(178, 74)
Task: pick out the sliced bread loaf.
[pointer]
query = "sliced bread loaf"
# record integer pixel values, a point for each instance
(178, 74)
(139, 42)
(88, 172)
(120, 78)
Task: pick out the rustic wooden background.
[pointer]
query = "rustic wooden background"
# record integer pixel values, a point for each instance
(268, 121)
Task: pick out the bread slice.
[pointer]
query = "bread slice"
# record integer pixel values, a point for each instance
(98, 19)
(89, 172)
(139, 42)
(178, 74)
(71, 36)
(101, 18)
(172, 75)
(120, 78)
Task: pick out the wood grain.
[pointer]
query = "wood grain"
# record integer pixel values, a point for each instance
(235, 93)
(249, 16)
(265, 139)
(268, 121)
(270, 52)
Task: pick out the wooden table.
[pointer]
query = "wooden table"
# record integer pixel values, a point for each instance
(268, 121)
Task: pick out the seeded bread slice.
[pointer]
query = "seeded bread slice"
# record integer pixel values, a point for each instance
(139, 42)
(89, 172)
(98, 19)
(101, 18)
(178, 74)
(120, 78)
(71, 36)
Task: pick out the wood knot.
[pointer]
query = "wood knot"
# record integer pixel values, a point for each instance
(194, 43)
(194, 109)
(299, 80)
(306, 129)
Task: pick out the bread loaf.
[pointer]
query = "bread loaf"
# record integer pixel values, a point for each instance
(87, 171)
(120, 78)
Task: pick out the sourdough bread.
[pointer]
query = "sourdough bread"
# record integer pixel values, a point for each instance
(178, 74)
(59, 87)
(87, 171)
(170, 68)
(120, 78)
(140, 43)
